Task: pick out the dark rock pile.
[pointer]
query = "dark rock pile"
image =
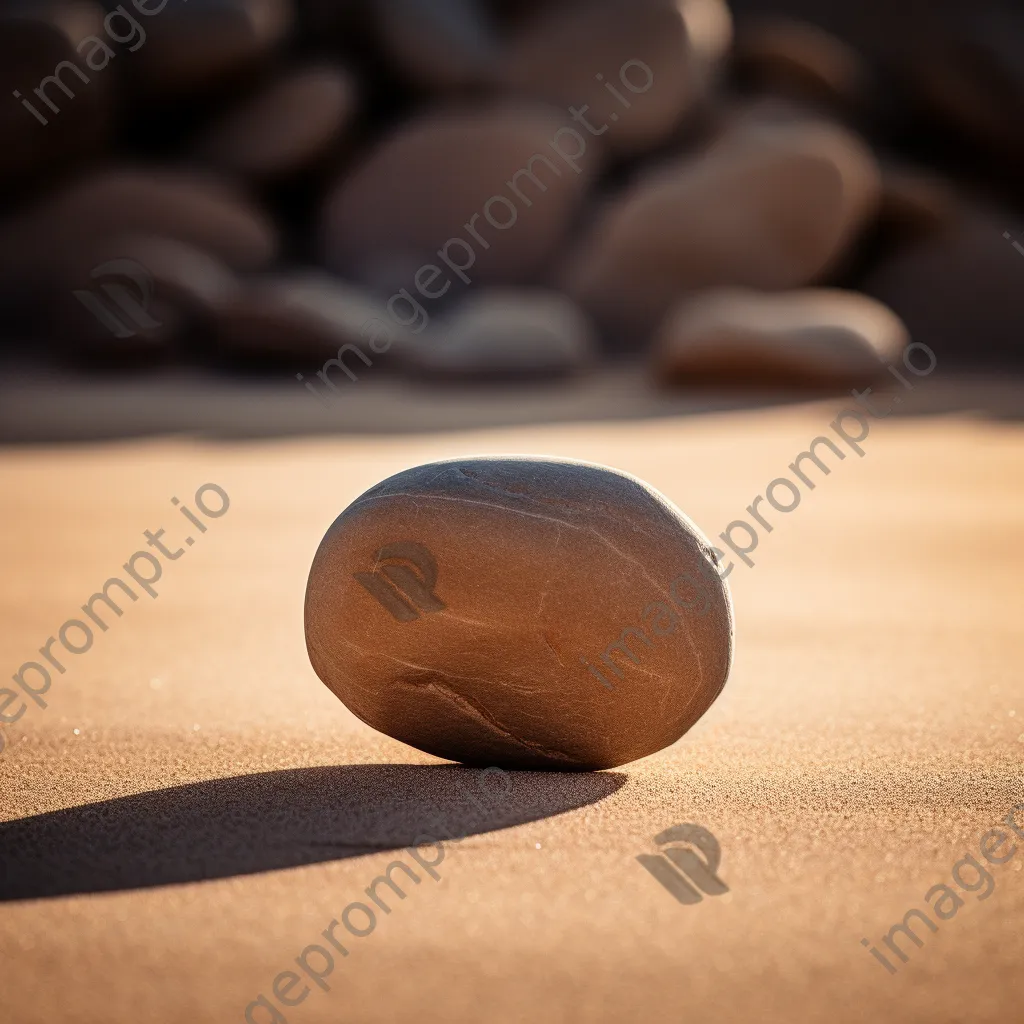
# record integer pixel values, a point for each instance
(510, 187)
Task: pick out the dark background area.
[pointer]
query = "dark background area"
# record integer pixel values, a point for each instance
(239, 155)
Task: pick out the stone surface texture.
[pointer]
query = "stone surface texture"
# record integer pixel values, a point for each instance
(815, 336)
(454, 606)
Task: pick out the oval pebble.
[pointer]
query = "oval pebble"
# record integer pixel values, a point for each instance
(439, 44)
(195, 46)
(284, 128)
(812, 337)
(804, 61)
(631, 72)
(309, 315)
(766, 207)
(92, 215)
(521, 612)
(459, 196)
(504, 333)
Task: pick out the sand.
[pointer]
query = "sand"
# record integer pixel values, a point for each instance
(202, 808)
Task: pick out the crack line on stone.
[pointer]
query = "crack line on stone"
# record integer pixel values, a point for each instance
(470, 708)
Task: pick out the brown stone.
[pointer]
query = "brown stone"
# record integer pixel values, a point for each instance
(658, 57)
(285, 128)
(508, 333)
(199, 44)
(765, 207)
(309, 315)
(87, 221)
(440, 44)
(526, 613)
(816, 337)
(442, 177)
(133, 307)
(804, 61)
(915, 201)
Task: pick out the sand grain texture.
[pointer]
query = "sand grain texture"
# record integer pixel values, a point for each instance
(871, 732)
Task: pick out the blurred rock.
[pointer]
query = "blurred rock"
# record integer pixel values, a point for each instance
(308, 315)
(507, 334)
(86, 221)
(453, 193)
(151, 302)
(793, 58)
(710, 28)
(55, 110)
(439, 44)
(194, 281)
(734, 114)
(202, 43)
(768, 208)
(138, 306)
(960, 291)
(914, 201)
(285, 128)
(630, 73)
(814, 337)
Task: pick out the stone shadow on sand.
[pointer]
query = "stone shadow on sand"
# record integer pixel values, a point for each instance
(247, 824)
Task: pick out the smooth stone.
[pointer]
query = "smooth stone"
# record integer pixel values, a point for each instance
(456, 607)
(197, 282)
(804, 61)
(814, 337)
(507, 333)
(960, 291)
(915, 201)
(759, 113)
(136, 307)
(574, 54)
(709, 25)
(201, 44)
(285, 128)
(769, 208)
(309, 315)
(87, 219)
(439, 44)
(418, 190)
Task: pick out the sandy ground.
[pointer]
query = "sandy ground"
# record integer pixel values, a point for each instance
(193, 808)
